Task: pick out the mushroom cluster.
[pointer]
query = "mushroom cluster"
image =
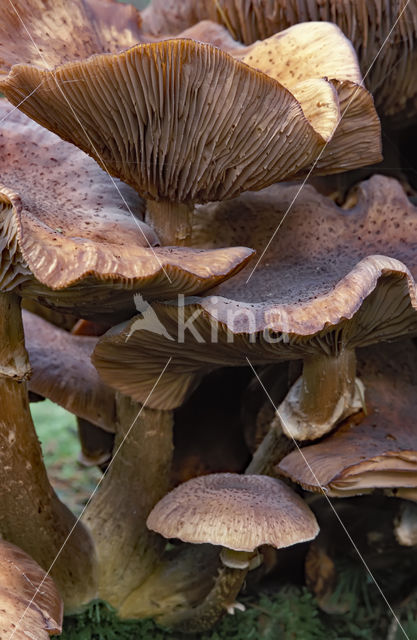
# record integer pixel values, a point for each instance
(193, 294)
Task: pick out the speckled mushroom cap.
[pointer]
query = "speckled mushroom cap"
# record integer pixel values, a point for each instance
(221, 128)
(67, 238)
(62, 33)
(390, 68)
(233, 511)
(22, 618)
(62, 371)
(331, 279)
(373, 450)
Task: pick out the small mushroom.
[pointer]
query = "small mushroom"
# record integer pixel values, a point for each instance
(238, 513)
(30, 604)
(67, 238)
(377, 448)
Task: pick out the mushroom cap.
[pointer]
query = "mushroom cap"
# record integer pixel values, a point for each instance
(67, 237)
(39, 613)
(190, 123)
(330, 277)
(376, 450)
(63, 372)
(62, 33)
(237, 512)
(366, 24)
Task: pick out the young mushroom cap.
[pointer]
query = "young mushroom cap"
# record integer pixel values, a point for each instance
(233, 511)
(68, 239)
(63, 372)
(376, 449)
(331, 280)
(30, 605)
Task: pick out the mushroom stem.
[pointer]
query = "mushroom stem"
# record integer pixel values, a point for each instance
(221, 597)
(171, 222)
(327, 392)
(31, 515)
(137, 477)
(272, 449)
(188, 592)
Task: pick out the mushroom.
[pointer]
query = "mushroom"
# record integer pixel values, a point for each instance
(61, 370)
(30, 604)
(369, 25)
(67, 240)
(222, 127)
(32, 516)
(238, 513)
(377, 448)
(318, 293)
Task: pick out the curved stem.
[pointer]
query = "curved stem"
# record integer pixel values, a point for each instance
(137, 477)
(31, 515)
(270, 452)
(171, 222)
(326, 393)
(188, 592)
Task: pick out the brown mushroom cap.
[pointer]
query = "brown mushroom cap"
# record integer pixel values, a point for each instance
(330, 277)
(26, 612)
(366, 24)
(237, 512)
(376, 450)
(62, 33)
(62, 371)
(222, 127)
(68, 239)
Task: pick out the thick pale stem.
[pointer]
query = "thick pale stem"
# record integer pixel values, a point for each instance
(139, 476)
(171, 221)
(327, 392)
(31, 515)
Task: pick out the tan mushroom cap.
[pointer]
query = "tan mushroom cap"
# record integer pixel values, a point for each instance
(24, 611)
(236, 512)
(61, 32)
(376, 450)
(62, 372)
(67, 237)
(220, 129)
(330, 279)
(366, 24)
